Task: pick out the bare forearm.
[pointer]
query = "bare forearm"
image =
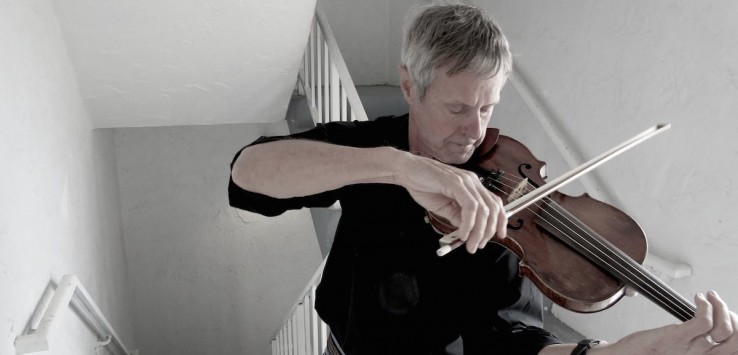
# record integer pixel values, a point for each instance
(290, 168)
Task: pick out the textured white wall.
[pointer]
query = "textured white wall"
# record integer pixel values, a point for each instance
(207, 278)
(170, 62)
(609, 70)
(59, 209)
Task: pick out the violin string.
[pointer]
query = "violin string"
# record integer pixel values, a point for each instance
(636, 269)
(623, 263)
(626, 266)
(685, 312)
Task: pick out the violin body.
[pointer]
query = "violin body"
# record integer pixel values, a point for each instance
(540, 236)
(563, 275)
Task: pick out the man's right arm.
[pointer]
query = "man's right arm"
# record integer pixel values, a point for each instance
(299, 167)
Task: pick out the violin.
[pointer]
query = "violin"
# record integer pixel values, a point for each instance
(580, 252)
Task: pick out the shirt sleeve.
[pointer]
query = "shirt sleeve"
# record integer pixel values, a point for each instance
(341, 133)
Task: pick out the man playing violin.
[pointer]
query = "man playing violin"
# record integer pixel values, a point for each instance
(384, 290)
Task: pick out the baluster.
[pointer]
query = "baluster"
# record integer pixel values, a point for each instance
(344, 103)
(335, 94)
(326, 84)
(293, 336)
(306, 323)
(314, 323)
(299, 327)
(319, 65)
(312, 62)
(283, 339)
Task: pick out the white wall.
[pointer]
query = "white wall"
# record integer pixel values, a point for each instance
(59, 209)
(171, 62)
(609, 70)
(208, 279)
(368, 34)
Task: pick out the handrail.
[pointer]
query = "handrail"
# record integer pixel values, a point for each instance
(69, 290)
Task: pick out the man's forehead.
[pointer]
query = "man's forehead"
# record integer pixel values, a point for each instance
(459, 88)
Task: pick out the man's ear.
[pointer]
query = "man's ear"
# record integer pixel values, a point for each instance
(405, 84)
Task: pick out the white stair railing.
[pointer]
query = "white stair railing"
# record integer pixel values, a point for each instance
(302, 332)
(69, 291)
(331, 95)
(324, 77)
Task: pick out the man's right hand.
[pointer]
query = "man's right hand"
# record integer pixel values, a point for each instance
(458, 196)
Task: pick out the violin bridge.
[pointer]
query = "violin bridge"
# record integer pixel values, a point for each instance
(518, 191)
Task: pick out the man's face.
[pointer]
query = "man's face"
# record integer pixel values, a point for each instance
(450, 122)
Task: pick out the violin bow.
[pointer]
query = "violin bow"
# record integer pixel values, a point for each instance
(452, 241)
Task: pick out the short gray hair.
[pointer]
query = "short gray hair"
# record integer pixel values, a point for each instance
(437, 34)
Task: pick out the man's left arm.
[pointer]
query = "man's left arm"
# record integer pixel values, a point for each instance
(713, 330)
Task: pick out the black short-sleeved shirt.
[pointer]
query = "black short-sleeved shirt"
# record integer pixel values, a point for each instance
(384, 290)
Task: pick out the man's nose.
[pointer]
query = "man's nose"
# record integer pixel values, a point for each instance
(473, 126)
